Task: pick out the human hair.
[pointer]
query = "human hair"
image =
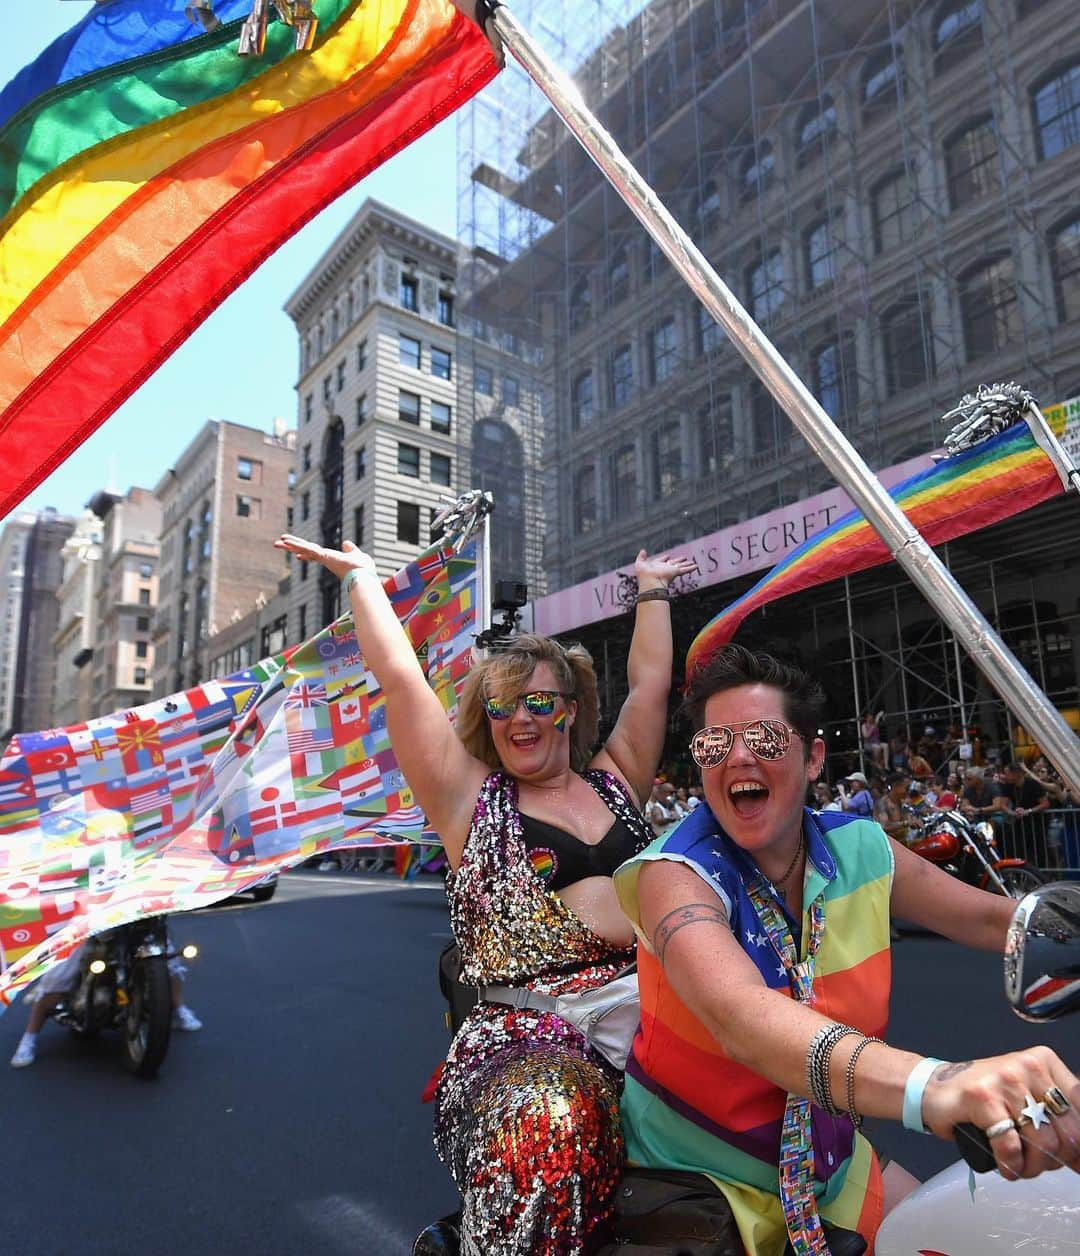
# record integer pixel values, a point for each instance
(505, 675)
(735, 665)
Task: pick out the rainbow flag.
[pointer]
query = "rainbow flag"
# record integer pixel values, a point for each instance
(146, 169)
(194, 797)
(998, 478)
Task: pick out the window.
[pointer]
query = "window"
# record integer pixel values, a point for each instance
(619, 275)
(361, 410)
(663, 351)
(187, 551)
(621, 376)
(765, 286)
(302, 624)
(585, 499)
(204, 530)
(308, 401)
(248, 507)
(667, 459)
(409, 352)
(440, 418)
(340, 372)
(305, 458)
(882, 81)
(894, 212)
(326, 389)
(1065, 265)
(140, 675)
(971, 163)
(623, 480)
(441, 469)
(408, 523)
(142, 623)
(408, 407)
(1056, 108)
(764, 420)
(815, 129)
(335, 324)
(714, 438)
(440, 363)
(989, 308)
(409, 292)
(243, 468)
(273, 636)
(358, 526)
(141, 649)
(483, 380)
(906, 342)
(709, 332)
(581, 400)
(361, 462)
(361, 354)
(181, 627)
(408, 460)
(511, 391)
(957, 31)
(820, 253)
(144, 597)
(580, 303)
(445, 309)
(835, 382)
(305, 505)
(707, 208)
(756, 171)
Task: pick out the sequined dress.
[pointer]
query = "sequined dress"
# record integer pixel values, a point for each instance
(527, 1116)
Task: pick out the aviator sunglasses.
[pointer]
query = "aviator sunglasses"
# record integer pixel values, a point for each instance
(766, 739)
(539, 702)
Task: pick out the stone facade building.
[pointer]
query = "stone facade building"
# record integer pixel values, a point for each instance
(76, 633)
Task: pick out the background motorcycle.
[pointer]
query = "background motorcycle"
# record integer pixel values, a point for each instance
(124, 984)
(969, 852)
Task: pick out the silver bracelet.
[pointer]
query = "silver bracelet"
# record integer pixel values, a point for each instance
(849, 1086)
(818, 1056)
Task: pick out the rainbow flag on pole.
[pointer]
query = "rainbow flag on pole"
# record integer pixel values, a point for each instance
(147, 168)
(983, 485)
(193, 797)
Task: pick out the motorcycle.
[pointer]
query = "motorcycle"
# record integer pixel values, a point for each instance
(953, 1213)
(968, 851)
(124, 984)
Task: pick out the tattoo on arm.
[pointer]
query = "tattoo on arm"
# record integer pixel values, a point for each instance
(691, 914)
(948, 1071)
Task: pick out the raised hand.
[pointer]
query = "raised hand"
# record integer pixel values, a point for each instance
(338, 561)
(661, 569)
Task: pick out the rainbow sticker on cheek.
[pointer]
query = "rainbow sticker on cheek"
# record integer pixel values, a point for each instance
(560, 722)
(543, 862)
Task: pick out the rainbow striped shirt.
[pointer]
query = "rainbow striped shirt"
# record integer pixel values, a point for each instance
(686, 1105)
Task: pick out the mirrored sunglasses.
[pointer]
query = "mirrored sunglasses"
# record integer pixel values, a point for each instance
(766, 739)
(539, 702)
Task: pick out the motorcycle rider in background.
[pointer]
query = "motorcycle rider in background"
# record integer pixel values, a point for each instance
(60, 980)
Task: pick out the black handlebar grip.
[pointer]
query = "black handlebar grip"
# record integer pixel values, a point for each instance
(974, 1146)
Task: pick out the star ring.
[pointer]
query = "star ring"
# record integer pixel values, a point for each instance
(1033, 1113)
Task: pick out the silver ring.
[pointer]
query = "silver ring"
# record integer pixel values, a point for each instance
(1056, 1101)
(1000, 1127)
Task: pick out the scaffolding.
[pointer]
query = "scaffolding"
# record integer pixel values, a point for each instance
(874, 180)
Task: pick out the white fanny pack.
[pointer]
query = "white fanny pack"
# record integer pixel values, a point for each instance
(608, 1016)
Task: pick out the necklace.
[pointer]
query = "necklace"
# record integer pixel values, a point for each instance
(791, 866)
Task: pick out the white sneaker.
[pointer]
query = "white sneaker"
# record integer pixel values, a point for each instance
(24, 1054)
(184, 1018)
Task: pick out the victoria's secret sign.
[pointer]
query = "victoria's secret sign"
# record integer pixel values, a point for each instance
(736, 551)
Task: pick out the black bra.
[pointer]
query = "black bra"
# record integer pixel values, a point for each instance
(560, 859)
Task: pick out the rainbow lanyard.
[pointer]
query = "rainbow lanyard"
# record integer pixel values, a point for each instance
(796, 1142)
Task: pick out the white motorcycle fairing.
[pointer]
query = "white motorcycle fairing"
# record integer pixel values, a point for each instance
(940, 1218)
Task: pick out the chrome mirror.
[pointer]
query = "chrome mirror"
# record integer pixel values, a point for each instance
(1042, 953)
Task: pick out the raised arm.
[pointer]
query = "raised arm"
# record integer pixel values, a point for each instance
(444, 777)
(685, 924)
(633, 749)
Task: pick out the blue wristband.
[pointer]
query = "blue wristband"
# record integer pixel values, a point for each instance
(350, 578)
(913, 1094)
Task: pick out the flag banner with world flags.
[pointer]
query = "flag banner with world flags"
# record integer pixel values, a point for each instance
(191, 798)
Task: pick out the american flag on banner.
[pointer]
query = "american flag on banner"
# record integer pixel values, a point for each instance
(193, 797)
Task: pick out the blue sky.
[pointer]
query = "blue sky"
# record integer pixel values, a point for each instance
(216, 373)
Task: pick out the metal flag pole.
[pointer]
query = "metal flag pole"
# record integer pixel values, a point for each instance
(905, 543)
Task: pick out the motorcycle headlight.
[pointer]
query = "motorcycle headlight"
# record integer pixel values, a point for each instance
(986, 831)
(97, 966)
(190, 951)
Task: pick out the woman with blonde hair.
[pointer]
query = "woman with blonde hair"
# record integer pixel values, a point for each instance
(534, 822)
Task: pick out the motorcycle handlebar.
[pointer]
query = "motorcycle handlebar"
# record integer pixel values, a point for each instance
(974, 1146)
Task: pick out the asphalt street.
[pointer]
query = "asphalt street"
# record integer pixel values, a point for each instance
(292, 1124)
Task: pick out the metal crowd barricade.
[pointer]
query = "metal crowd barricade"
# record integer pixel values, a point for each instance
(1048, 839)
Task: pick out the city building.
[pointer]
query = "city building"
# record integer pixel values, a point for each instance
(223, 504)
(13, 538)
(890, 188)
(387, 425)
(125, 597)
(76, 631)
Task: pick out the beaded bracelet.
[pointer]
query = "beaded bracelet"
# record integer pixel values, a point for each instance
(653, 595)
(818, 1054)
(849, 1086)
